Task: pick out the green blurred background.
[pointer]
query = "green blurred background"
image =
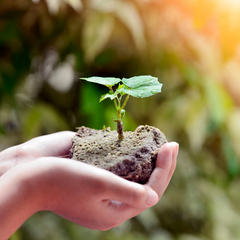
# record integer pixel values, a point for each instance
(192, 46)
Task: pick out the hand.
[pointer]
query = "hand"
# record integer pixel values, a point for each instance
(84, 194)
(52, 145)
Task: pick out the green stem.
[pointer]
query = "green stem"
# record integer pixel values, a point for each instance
(125, 102)
(119, 114)
(115, 103)
(119, 103)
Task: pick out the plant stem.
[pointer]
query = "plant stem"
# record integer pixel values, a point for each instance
(117, 103)
(120, 130)
(119, 125)
(125, 102)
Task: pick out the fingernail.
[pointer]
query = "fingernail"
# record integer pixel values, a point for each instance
(152, 198)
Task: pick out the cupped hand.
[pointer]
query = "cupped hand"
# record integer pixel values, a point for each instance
(35, 178)
(97, 198)
(92, 197)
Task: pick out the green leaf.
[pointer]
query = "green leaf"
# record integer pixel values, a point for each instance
(145, 80)
(141, 92)
(106, 81)
(108, 95)
(140, 87)
(118, 91)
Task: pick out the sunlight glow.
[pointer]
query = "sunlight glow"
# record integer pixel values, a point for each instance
(233, 2)
(229, 3)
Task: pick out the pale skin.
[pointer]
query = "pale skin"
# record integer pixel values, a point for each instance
(33, 177)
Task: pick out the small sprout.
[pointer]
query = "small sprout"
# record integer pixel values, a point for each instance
(122, 113)
(106, 129)
(139, 86)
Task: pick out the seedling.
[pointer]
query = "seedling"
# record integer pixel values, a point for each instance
(140, 87)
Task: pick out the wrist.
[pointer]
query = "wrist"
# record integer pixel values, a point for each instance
(18, 200)
(35, 181)
(33, 185)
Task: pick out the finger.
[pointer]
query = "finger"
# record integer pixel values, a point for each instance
(133, 194)
(126, 207)
(174, 161)
(159, 179)
(56, 144)
(120, 212)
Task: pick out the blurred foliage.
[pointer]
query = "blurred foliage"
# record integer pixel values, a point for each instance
(192, 46)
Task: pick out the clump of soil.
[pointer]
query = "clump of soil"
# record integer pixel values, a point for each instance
(133, 158)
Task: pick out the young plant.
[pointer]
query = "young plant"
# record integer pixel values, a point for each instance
(139, 86)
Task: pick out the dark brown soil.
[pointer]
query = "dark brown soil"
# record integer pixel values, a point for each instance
(133, 158)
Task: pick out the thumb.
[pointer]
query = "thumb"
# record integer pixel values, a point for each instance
(132, 194)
